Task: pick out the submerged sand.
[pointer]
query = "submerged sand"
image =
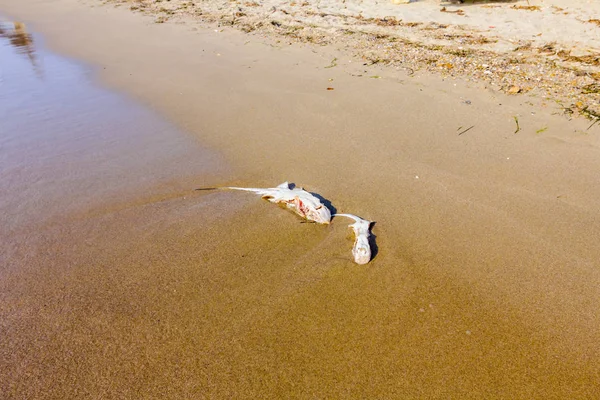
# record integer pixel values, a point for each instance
(485, 283)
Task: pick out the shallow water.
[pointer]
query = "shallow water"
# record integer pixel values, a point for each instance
(68, 145)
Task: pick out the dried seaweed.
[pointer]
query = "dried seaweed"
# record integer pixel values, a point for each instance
(333, 63)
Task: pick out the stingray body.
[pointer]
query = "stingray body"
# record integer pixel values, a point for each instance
(361, 249)
(296, 199)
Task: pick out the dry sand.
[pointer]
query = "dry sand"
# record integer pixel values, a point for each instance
(486, 280)
(547, 48)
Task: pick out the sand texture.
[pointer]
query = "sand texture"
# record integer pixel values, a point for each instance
(547, 48)
(485, 279)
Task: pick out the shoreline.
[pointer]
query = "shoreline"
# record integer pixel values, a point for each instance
(485, 282)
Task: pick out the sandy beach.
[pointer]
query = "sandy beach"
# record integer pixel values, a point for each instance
(485, 279)
(547, 48)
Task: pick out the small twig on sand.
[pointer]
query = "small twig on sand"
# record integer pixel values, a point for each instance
(457, 12)
(466, 130)
(518, 127)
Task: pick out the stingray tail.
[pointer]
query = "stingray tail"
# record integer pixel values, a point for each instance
(254, 190)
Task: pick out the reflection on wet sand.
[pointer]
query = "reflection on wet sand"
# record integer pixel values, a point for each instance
(17, 35)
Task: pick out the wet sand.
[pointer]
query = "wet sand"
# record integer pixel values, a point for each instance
(485, 283)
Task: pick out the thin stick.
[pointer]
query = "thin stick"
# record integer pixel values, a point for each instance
(466, 130)
(518, 127)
